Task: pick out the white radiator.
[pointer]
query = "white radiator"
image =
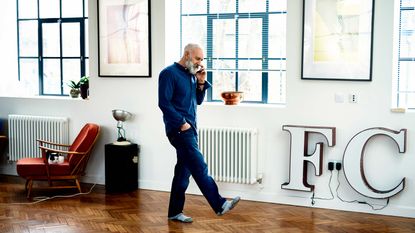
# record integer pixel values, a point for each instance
(230, 153)
(24, 130)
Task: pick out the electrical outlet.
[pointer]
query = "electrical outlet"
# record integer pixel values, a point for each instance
(334, 165)
(331, 166)
(338, 166)
(353, 98)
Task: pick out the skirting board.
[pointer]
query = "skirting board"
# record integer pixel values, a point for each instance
(255, 194)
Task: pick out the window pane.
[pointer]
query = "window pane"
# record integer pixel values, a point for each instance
(277, 36)
(408, 3)
(87, 67)
(194, 6)
(222, 6)
(71, 70)
(252, 6)
(404, 83)
(250, 64)
(86, 38)
(277, 65)
(407, 100)
(250, 82)
(223, 64)
(277, 5)
(197, 26)
(51, 76)
(276, 81)
(27, 9)
(29, 77)
(72, 8)
(250, 38)
(51, 43)
(276, 87)
(223, 38)
(407, 46)
(70, 40)
(28, 43)
(86, 9)
(49, 8)
(222, 81)
(406, 75)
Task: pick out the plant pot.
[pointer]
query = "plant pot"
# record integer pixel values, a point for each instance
(84, 90)
(74, 93)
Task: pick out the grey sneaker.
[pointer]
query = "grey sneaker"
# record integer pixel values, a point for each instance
(228, 205)
(182, 218)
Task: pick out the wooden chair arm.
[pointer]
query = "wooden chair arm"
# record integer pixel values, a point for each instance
(44, 148)
(51, 143)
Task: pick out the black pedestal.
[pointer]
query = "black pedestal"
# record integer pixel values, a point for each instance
(121, 168)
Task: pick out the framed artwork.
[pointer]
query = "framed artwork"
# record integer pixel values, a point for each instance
(337, 40)
(124, 43)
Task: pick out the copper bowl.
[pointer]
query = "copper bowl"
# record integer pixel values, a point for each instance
(232, 97)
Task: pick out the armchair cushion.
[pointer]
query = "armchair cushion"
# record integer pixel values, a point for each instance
(36, 167)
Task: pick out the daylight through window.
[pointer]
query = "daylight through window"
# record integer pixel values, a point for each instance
(404, 85)
(52, 44)
(244, 43)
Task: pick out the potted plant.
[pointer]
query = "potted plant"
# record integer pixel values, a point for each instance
(84, 86)
(74, 92)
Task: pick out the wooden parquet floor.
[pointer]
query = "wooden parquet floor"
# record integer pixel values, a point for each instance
(145, 211)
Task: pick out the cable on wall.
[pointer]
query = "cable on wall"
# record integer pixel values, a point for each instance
(357, 201)
(323, 198)
(338, 168)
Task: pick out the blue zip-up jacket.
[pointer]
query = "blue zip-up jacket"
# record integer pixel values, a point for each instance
(178, 97)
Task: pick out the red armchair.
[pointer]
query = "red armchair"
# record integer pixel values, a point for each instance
(76, 158)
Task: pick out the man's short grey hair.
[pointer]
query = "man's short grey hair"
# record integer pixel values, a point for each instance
(190, 47)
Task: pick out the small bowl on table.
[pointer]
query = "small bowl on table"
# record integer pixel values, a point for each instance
(232, 97)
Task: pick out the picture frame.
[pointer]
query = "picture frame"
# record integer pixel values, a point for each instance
(337, 40)
(124, 38)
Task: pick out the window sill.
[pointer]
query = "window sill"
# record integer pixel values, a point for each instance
(402, 110)
(244, 105)
(46, 98)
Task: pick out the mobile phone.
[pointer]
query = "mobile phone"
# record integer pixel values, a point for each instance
(199, 69)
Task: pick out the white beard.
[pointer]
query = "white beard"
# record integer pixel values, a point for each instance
(191, 67)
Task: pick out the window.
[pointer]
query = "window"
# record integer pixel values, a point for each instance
(404, 86)
(244, 43)
(52, 44)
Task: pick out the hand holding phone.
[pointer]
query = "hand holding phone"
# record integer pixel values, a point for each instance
(200, 68)
(201, 74)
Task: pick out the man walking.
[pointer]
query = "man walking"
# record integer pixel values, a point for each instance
(182, 86)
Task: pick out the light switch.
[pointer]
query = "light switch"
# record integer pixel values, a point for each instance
(339, 97)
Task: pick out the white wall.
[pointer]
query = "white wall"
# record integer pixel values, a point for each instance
(308, 103)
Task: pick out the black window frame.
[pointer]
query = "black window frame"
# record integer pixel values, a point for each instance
(209, 40)
(40, 21)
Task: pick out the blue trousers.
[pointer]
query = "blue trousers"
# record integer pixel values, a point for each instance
(190, 162)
